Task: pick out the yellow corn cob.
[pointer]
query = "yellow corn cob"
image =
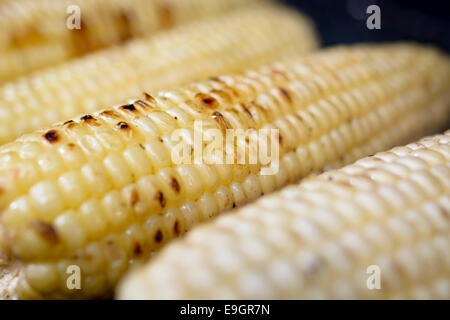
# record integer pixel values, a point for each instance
(102, 191)
(317, 240)
(35, 33)
(242, 39)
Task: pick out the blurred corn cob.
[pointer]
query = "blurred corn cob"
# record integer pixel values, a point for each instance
(102, 191)
(242, 39)
(34, 32)
(316, 240)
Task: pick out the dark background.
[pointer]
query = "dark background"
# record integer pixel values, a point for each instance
(344, 21)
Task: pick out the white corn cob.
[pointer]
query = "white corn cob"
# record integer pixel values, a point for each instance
(39, 33)
(325, 239)
(229, 43)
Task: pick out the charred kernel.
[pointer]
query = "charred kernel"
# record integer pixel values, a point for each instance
(161, 199)
(128, 107)
(124, 19)
(175, 185)
(158, 236)
(86, 117)
(285, 94)
(67, 122)
(137, 249)
(110, 114)
(206, 100)
(70, 126)
(122, 126)
(71, 145)
(142, 146)
(220, 119)
(176, 228)
(167, 19)
(46, 231)
(149, 98)
(90, 120)
(51, 136)
(134, 197)
(215, 79)
(280, 138)
(245, 108)
(143, 104)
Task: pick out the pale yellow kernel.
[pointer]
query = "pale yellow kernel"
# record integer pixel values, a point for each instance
(138, 161)
(109, 138)
(436, 214)
(182, 117)
(47, 199)
(70, 230)
(372, 204)
(29, 244)
(118, 170)
(92, 148)
(427, 182)
(191, 213)
(163, 121)
(42, 277)
(224, 198)
(254, 286)
(191, 179)
(239, 196)
(116, 257)
(304, 159)
(225, 173)
(208, 206)
(281, 176)
(72, 155)
(251, 187)
(158, 153)
(116, 210)
(267, 183)
(73, 188)
(50, 163)
(19, 213)
(96, 178)
(317, 155)
(92, 217)
(378, 237)
(209, 176)
(147, 126)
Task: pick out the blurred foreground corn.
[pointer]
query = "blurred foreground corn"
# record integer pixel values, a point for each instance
(324, 239)
(34, 33)
(242, 39)
(104, 191)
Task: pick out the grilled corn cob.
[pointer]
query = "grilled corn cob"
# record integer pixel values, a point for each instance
(244, 39)
(317, 240)
(35, 32)
(103, 191)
